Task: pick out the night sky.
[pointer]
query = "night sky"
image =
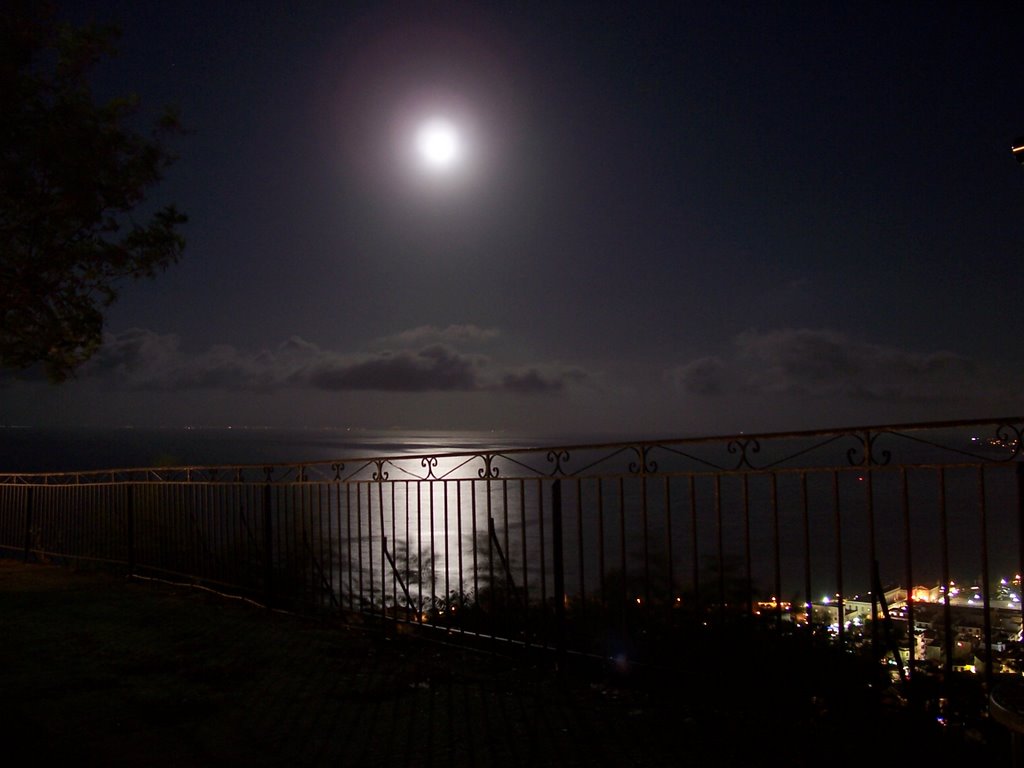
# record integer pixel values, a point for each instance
(661, 219)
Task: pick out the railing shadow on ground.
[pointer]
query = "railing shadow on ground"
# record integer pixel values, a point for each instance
(704, 563)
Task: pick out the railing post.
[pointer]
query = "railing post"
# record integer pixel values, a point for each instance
(130, 503)
(1020, 524)
(383, 557)
(268, 547)
(559, 568)
(28, 522)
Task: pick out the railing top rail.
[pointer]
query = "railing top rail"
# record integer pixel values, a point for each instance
(863, 447)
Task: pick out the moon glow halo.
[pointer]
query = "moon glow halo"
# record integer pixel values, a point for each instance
(438, 144)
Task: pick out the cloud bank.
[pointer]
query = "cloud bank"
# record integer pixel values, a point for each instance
(424, 359)
(826, 364)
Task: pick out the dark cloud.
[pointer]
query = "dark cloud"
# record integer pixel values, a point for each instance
(431, 369)
(144, 360)
(133, 351)
(703, 376)
(536, 380)
(822, 363)
(457, 335)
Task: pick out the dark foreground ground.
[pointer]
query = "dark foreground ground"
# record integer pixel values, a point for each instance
(97, 669)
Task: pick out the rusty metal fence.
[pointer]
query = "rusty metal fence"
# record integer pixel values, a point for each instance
(608, 550)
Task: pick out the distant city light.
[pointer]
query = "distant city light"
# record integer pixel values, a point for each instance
(1018, 149)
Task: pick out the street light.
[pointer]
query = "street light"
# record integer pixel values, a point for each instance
(1017, 147)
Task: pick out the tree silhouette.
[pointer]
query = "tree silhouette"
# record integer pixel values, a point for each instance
(72, 173)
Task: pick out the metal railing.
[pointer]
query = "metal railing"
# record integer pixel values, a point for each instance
(612, 550)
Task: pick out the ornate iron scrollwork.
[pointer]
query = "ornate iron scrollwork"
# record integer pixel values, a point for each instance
(337, 468)
(380, 475)
(488, 469)
(428, 463)
(642, 465)
(867, 447)
(556, 457)
(741, 447)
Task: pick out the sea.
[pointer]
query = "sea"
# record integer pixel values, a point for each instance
(78, 449)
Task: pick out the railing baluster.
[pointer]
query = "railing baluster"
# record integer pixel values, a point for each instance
(838, 521)
(383, 551)
(268, 546)
(749, 580)
(908, 557)
(695, 544)
(985, 584)
(1019, 473)
(474, 540)
(720, 544)
(29, 495)
(869, 477)
(805, 516)
(130, 511)
(559, 571)
(527, 628)
(603, 574)
(947, 613)
(670, 580)
(580, 555)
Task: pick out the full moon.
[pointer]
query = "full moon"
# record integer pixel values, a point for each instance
(438, 144)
